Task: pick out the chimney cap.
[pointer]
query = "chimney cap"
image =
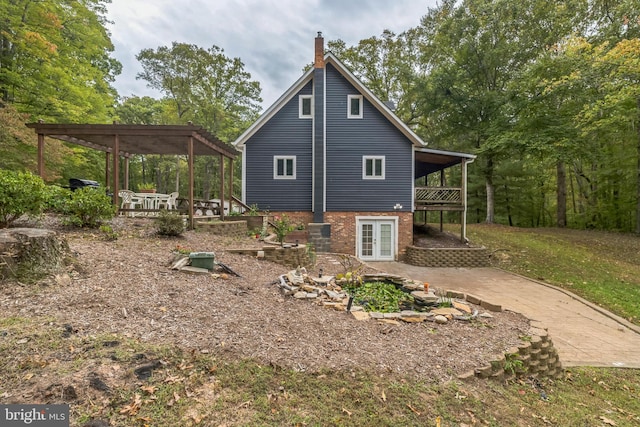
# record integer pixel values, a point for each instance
(319, 33)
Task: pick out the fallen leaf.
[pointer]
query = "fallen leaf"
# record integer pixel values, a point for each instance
(148, 388)
(413, 409)
(346, 412)
(132, 408)
(384, 396)
(28, 376)
(608, 421)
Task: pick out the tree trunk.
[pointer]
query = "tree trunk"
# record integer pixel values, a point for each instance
(490, 193)
(561, 195)
(27, 254)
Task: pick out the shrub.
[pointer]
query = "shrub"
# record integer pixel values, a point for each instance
(20, 193)
(56, 199)
(88, 207)
(170, 223)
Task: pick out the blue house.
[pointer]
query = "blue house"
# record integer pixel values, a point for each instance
(332, 156)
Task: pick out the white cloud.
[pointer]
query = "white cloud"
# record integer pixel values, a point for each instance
(273, 38)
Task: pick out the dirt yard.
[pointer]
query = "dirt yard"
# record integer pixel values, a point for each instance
(124, 287)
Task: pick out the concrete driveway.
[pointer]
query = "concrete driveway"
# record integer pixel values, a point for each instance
(583, 334)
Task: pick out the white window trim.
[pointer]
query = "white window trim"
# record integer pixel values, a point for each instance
(300, 102)
(275, 167)
(354, 116)
(364, 167)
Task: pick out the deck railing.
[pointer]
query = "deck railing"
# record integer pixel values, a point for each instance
(438, 196)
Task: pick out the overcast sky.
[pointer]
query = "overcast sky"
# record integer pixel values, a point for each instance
(273, 38)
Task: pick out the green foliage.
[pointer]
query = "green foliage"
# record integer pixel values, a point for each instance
(108, 232)
(205, 85)
(170, 223)
(378, 296)
(20, 193)
(88, 207)
(512, 363)
(57, 199)
(282, 226)
(55, 59)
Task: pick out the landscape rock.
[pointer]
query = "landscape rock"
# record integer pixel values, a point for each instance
(440, 319)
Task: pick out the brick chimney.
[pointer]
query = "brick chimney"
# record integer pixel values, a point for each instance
(319, 57)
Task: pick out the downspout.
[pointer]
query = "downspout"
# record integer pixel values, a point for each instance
(318, 132)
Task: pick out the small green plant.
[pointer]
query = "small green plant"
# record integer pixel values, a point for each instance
(253, 210)
(147, 186)
(108, 232)
(282, 226)
(444, 300)
(351, 275)
(88, 207)
(378, 296)
(20, 193)
(512, 363)
(170, 223)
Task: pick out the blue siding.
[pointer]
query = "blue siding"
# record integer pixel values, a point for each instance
(350, 139)
(284, 135)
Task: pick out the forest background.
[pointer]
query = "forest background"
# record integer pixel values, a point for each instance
(546, 94)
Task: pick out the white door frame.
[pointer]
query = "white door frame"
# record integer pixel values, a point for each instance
(393, 219)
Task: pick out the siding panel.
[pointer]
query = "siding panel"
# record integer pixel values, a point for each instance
(284, 135)
(350, 139)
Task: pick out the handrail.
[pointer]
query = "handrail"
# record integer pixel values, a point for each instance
(438, 195)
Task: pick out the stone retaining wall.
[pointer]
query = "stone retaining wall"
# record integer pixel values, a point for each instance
(447, 257)
(535, 356)
(293, 257)
(226, 228)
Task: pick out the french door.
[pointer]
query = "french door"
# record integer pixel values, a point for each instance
(376, 239)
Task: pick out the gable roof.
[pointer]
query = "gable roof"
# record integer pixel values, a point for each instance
(351, 78)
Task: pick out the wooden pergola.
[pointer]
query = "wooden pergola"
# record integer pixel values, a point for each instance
(127, 140)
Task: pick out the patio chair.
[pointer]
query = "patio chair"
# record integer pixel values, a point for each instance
(130, 201)
(168, 203)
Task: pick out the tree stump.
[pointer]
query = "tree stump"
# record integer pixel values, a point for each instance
(29, 254)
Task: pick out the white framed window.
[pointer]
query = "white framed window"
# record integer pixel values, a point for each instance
(354, 106)
(284, 167)
(372, 167)
(305, 106)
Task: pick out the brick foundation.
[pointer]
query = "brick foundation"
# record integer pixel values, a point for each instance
(343, 228)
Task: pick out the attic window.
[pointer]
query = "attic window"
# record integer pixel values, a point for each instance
(284, 167)
(304, 107)
(354, 105)
(372, 167)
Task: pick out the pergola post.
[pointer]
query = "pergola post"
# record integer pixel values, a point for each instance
(126, 173)
(116, 169)
(191, 175)
(106, 168)
(230, 185)
(222, 188)
(41, 155)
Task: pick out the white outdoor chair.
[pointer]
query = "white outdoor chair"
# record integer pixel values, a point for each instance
(168, 203)
(130, 201)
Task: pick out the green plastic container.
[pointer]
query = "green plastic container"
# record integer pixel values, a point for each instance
(202, 259)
